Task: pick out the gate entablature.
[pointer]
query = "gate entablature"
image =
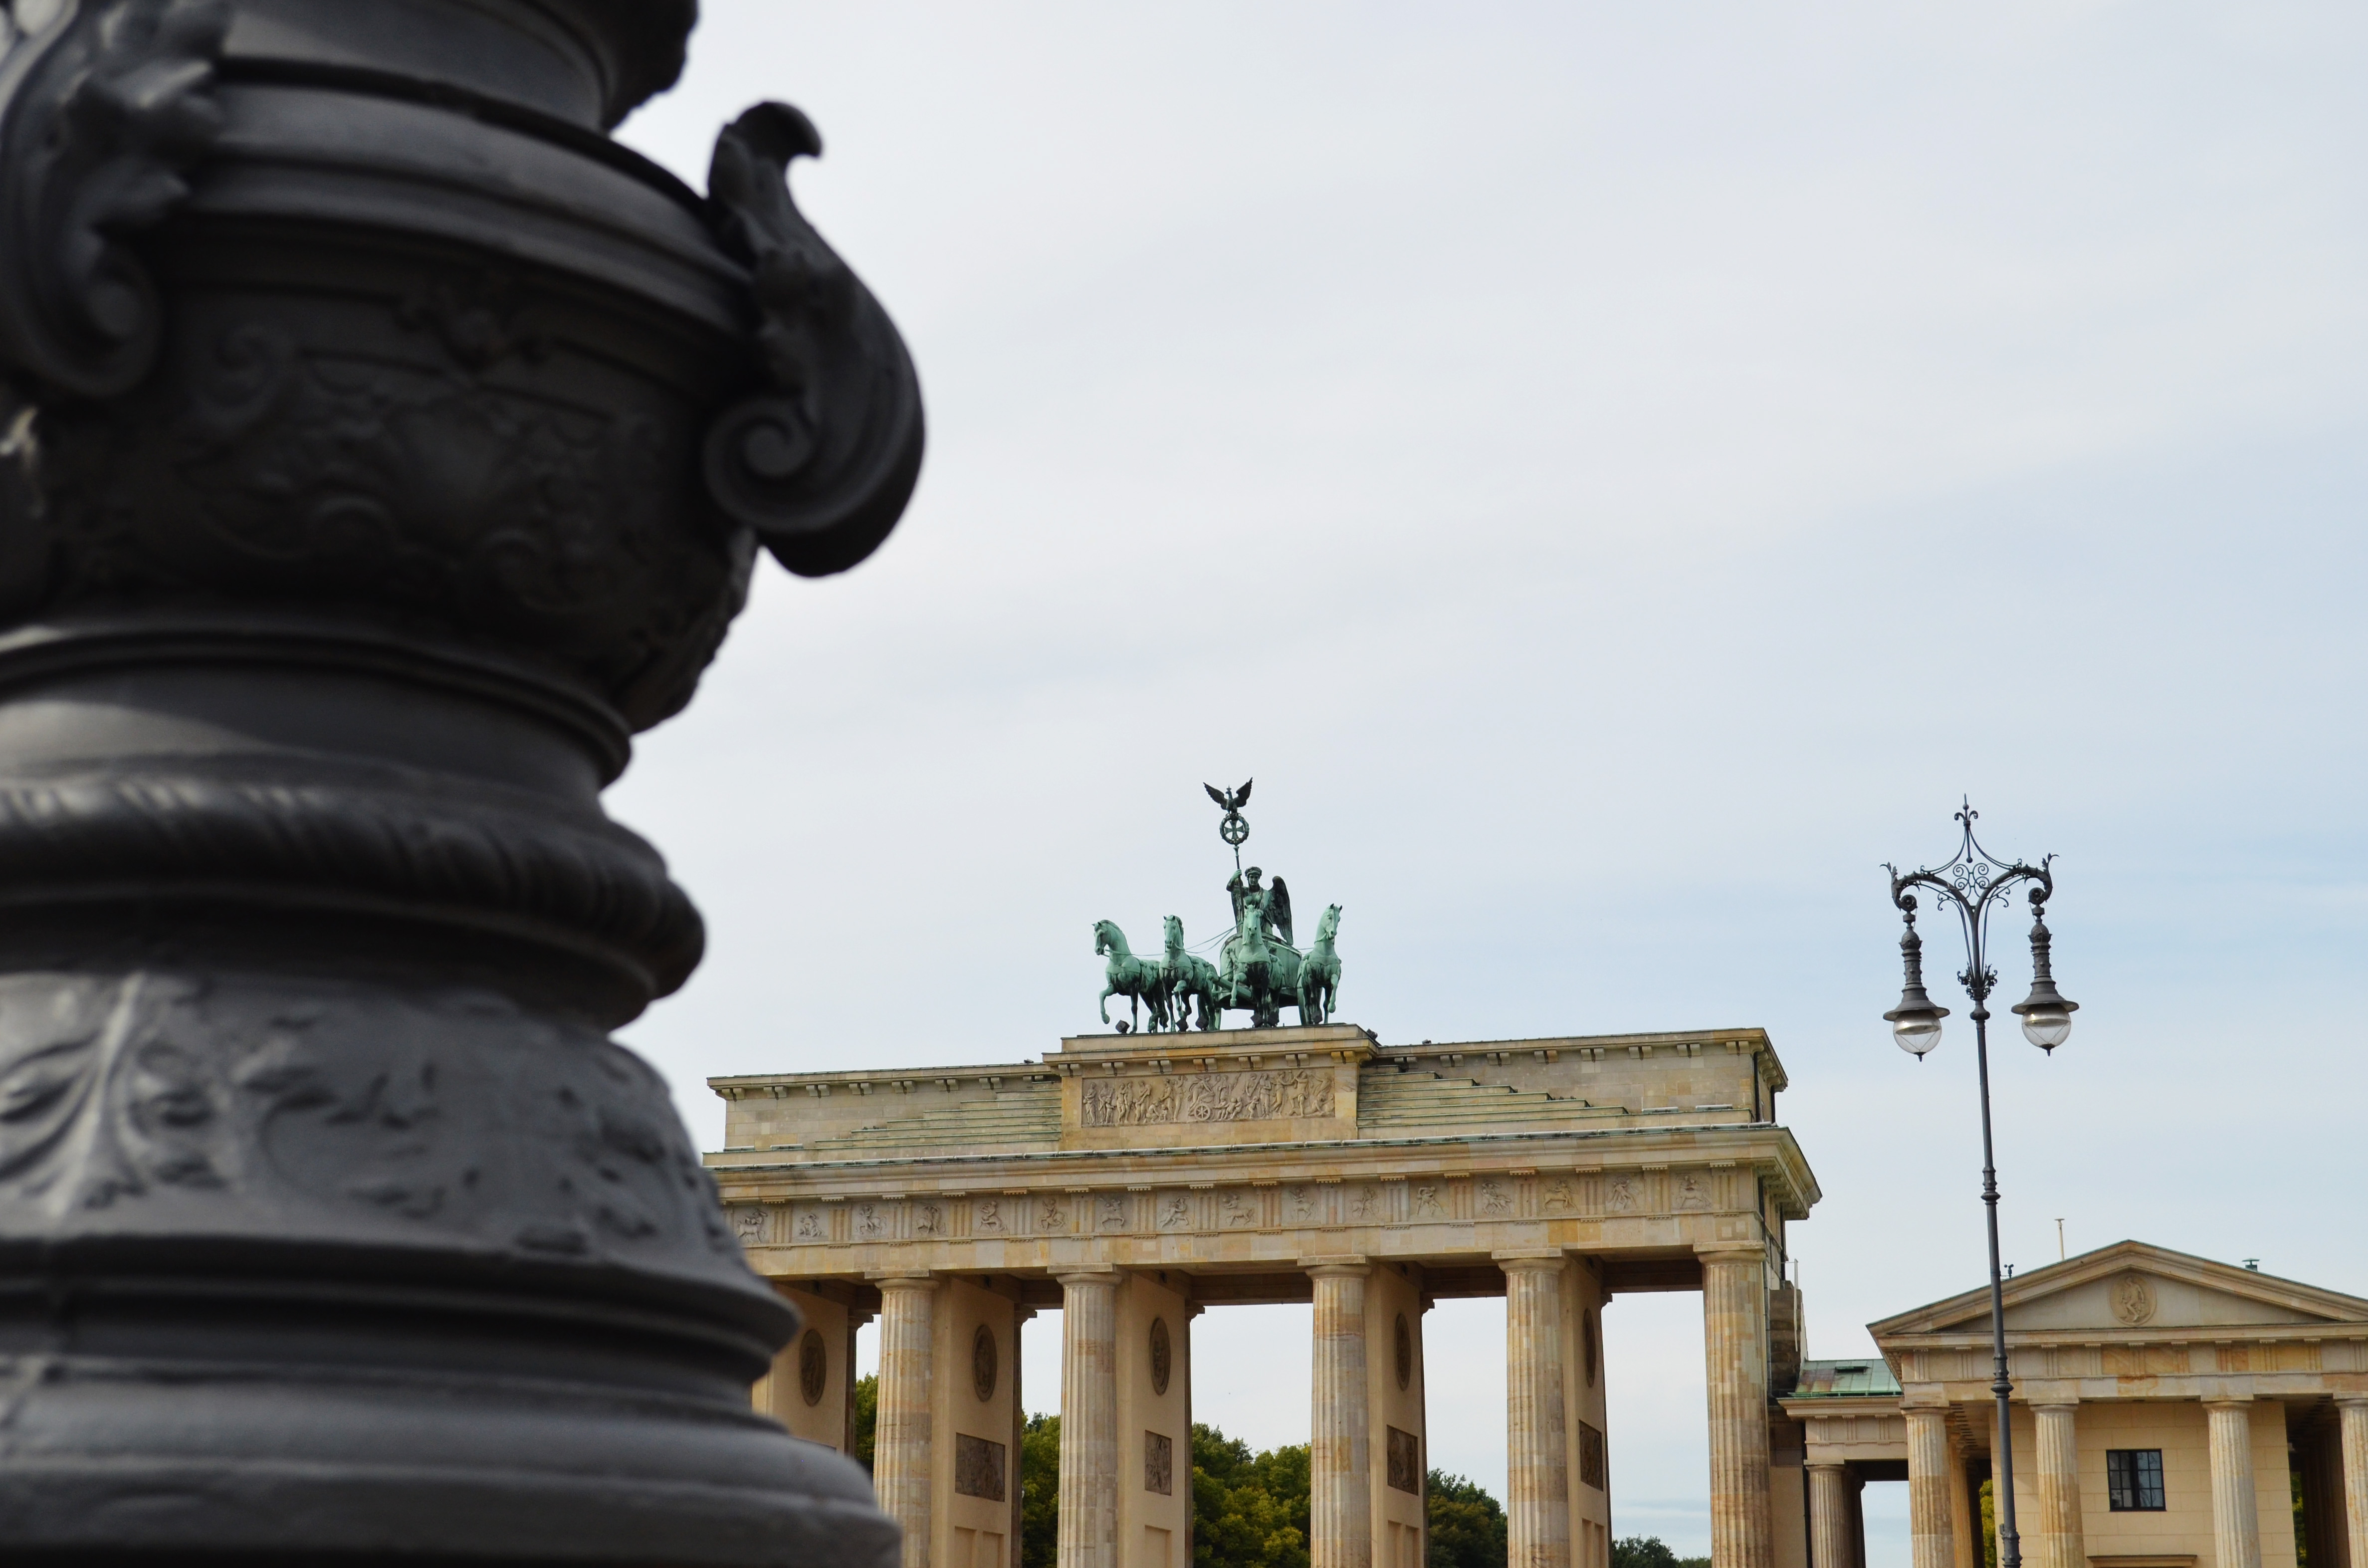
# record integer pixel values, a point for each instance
(1247, 1150)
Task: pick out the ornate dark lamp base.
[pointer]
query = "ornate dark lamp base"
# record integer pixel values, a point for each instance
(386, 447)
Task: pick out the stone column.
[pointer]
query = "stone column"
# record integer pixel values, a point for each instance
(1829, 1517)
(2353, 1411)
(2236, 1524)
(1537, 1441)
(900, 1440)
(1964, 1512)
(1019, 1316)
(1858, 1521)
(1340, 1510)
(2060, 1544)
(1089, 1501)
(1930, 1540)
(1735, 1344)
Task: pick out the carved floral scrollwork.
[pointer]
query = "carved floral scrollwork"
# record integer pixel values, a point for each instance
(104, 106)
(821, 462)
(280, 1107)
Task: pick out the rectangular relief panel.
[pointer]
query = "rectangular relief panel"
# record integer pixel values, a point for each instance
(1405, 1460)
(978, 1467)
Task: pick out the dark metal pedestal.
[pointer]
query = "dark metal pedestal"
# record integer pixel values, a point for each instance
(383, 446)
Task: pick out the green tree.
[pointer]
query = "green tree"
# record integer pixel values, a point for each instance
(1039, 1491)
(1467, 1526)
(1642, 1552)
(867, 1417)
(1248, 1510)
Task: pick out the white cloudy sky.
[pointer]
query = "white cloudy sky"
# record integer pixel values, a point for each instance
(1614, 475)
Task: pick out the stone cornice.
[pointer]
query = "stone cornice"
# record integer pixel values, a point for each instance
(1770, 1151)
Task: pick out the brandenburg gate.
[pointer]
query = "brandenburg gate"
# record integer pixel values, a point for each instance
(1134, 1180)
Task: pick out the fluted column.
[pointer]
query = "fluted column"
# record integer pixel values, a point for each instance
(2060, 1544)
(900, 1451)
(1930, 1537)
(1340, 1438)
(2235, 1523)
(1735, 1345)
(2352, 1413)
(1537, 1443)
(1829, 1517)
(1088, 1502)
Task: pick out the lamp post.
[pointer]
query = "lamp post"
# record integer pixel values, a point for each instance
(1973, 883)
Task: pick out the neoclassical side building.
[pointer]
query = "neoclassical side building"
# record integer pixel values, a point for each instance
(1137, 1181)
(2165, 1407)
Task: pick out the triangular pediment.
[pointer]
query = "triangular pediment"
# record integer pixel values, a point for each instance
(2128, 1287)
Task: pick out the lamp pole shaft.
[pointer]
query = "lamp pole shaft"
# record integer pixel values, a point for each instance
(2009, 1541)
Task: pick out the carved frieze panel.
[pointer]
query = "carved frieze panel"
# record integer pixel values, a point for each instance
(1241, 1207)
(1481, 1198)
(1405, 1460)
(1295, 1094)
(978, 1468)
(1428, 1199)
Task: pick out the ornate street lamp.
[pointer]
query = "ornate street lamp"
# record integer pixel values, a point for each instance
(1973, 884)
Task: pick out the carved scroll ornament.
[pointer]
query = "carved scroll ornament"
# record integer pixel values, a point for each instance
(821, 462)
(104, 106)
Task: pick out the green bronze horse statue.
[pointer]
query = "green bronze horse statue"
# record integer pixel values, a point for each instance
(1140, 981)
(1188, 977)
(1319, 971)
(1257, 971)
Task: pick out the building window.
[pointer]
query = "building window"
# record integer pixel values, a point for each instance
(2134, 1479)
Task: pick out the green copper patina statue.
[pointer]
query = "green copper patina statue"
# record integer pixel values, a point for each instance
(1258, 971)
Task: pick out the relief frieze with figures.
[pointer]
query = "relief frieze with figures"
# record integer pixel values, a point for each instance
(1209, 1097)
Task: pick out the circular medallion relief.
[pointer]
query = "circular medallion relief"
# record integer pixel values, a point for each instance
(1161, 1356)
(1406, 1352)
(2132, 1299)
(1587, 1332)
(981, 1361)
(814, 1367)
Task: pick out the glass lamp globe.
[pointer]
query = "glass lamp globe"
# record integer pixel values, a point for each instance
(1916, 1032)
(2047, 1025)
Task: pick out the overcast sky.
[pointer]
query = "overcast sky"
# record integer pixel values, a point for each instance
(1614, 475)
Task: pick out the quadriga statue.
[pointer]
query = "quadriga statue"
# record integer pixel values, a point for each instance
(381, 446)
